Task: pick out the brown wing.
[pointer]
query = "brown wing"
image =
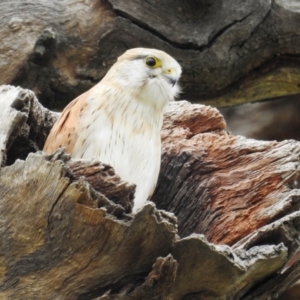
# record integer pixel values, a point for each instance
(64, 131)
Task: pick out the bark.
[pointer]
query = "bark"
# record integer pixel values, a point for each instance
(67, 231)
(245, 183)
(24, 123)
(231, 52)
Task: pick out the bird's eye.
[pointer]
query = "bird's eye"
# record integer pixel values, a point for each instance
(152, 62)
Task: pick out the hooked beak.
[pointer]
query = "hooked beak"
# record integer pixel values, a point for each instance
(173, 81)
(170, 80)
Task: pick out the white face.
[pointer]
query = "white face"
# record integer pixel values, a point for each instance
(151, 75)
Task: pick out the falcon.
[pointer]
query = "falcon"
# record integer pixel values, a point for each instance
(118, 121)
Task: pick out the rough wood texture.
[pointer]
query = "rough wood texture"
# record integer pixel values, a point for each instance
(25, 124)
(221, 185)
(68, 236)
(231, 51)
(103, 179)
(62, 246)
(197, 269)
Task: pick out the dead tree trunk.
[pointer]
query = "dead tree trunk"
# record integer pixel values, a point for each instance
(231, 51)
(66, 231)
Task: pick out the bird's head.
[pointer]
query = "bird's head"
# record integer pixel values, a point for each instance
(150, 75)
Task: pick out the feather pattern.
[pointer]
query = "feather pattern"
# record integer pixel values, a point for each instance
(119, 120)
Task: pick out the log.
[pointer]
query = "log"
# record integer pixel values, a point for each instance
(64, 245)
(25, 124)
(231, 52)
(227, 228)
(245, 183)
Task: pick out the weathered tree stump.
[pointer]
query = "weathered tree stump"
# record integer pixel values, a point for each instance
(222, 185)
(231, 51)
(66, 231)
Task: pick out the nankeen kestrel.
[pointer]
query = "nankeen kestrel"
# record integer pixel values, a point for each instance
(118, 121)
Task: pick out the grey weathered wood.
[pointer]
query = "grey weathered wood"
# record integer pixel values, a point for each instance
(68, 233)
(57, 244)
(231, 51)
(25, 123)
(12, 117)
(199, 265)
(285, 230)
(62, 236)
(103, 178)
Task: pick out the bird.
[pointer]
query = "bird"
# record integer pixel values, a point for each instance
(118, 121)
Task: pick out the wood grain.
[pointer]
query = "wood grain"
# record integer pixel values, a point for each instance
(221, 185)
(66, 231)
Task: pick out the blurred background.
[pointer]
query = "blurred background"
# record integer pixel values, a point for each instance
(269, 120)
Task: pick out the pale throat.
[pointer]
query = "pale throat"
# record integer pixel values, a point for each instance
(155, 97)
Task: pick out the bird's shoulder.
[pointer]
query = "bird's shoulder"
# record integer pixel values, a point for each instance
(63, 133)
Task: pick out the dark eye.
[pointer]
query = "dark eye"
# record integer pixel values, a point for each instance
(150, 61)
